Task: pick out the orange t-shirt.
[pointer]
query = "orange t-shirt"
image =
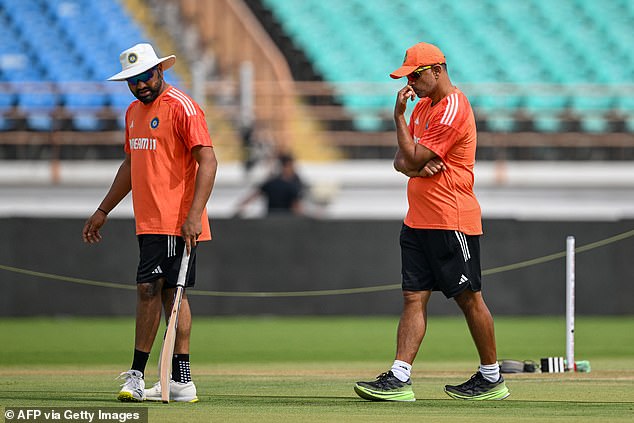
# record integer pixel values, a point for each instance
(159, 139)
(445, 200)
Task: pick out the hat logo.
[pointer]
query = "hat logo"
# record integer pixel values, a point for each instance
(154, 123)
(405, 58)
(138, 59)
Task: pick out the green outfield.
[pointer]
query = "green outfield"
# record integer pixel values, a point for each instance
(303, 369)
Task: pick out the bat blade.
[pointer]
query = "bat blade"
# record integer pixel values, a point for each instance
(167, 350)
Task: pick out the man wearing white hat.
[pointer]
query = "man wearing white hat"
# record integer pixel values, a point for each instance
(170, 167)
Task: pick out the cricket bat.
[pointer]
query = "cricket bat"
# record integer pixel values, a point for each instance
(167, 351)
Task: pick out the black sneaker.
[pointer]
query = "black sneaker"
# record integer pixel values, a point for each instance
(478, 388)
(386, 387)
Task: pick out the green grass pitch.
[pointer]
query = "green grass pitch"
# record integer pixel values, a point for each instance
(277, 369)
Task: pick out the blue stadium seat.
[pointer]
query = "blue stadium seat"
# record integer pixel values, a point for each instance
(84, 108)
(86, 122)
(119, 101)
(32, 100)
(38, 107)
(27, 74)
(7, 102)
(60, 41)
(6, 124)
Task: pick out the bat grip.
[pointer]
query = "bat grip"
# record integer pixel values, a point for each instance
(182, 273)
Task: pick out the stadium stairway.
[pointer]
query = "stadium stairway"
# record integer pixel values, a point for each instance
(305, 137)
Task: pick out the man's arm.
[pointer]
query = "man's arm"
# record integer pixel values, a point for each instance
(401, 165)
(411, 159)
(121, 186)
(432, 167)
(205, 177)
(412, 155)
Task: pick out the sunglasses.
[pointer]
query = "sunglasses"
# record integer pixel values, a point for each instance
(418, 72)
(144, 77)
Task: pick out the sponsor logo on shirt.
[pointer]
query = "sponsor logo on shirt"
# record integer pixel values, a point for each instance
(142, 143)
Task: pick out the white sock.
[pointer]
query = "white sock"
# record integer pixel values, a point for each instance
(401, 370)
(490, 372)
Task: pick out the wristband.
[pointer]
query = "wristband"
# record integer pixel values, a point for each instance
(102, 210)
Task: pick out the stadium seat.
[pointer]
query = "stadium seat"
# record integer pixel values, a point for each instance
(624, 105)
(546, 122)
(84, 109)
(500, 122)
(7, 102)
(592, 110)
(527, 44)
(38, 107)
(57, 41)
(485, 41)
(119, 101)
(5, 124)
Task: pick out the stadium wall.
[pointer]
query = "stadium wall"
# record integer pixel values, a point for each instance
(282, 255)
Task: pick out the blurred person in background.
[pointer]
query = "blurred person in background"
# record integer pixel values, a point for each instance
(170, 167)
(283, 190)
(440, 235)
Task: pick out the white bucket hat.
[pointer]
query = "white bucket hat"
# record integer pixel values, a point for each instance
(138, 59)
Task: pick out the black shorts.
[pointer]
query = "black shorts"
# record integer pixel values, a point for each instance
(440, 260)
(160, 257)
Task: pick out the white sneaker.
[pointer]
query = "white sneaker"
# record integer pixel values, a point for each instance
(133, 389)
(180, 392)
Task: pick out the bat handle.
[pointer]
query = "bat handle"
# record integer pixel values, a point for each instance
(182, 274)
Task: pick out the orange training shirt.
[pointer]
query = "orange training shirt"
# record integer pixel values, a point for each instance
(159, 139)
(446, 200)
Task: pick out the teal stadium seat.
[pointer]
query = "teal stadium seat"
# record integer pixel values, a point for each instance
(551, 45)
(592, 110)
(497, 110)
(625, 109)
(546, 111)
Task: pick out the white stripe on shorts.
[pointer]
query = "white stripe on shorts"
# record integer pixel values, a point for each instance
(462, 239)
(171, 245)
